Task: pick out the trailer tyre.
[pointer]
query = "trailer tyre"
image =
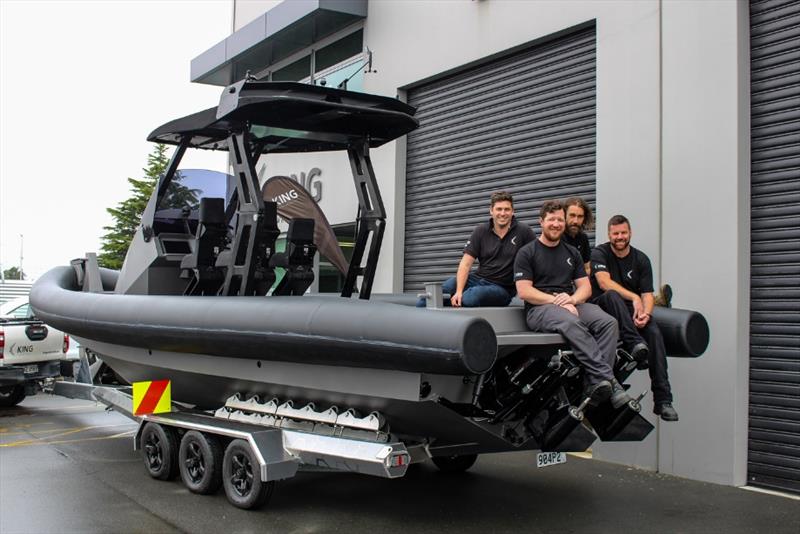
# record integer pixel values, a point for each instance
(455, 463)
(200, 461)
(160, 451)
(11, 395)
(241, 477)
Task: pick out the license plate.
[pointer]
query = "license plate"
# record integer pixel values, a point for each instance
(31, 369)
(545, 459)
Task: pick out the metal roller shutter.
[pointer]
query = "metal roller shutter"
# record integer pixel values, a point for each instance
(524, 123)
(774, 437)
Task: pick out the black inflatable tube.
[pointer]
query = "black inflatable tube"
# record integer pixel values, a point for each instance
(312, 330)
(686, 333)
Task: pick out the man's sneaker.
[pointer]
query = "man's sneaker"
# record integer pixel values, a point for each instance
(666, 411)
(640, 352)
(619, 397)
(598, 392)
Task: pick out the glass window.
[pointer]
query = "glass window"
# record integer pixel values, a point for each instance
(22, 312)
(330, 279)
(352, 74)
(339, 51)
(178, 208)
(293, 72)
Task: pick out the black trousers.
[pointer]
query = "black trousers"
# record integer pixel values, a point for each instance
(622, 310)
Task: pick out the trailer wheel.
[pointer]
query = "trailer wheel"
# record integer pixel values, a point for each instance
(455, 463)
(160, 451)
(11, 395)
(241, 477)
(200, 461)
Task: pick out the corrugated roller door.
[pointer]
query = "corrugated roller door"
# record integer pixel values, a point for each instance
(524, 123)
(774, 446)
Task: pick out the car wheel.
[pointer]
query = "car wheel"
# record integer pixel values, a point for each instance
(455, 463)
(11, 395)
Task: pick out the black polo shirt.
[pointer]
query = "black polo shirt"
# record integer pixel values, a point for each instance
(496, 256)
(580, 242)
(633, 272)
(551, 269)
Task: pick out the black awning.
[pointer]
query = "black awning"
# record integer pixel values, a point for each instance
(293, 117)
(283, 30)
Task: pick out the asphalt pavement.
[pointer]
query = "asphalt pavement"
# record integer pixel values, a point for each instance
(69, 466)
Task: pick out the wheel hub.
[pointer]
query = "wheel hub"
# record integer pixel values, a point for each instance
(195, 465)
(242, 476)
(152, 448)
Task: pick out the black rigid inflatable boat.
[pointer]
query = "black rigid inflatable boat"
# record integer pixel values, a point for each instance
(197, 301)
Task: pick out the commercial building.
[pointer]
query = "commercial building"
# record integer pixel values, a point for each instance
(685, 116)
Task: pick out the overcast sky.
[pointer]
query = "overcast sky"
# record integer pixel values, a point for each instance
(82, 84)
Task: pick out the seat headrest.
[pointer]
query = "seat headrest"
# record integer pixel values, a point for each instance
(300, 231)
(212, 210)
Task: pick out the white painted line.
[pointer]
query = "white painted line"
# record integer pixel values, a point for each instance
(772, 492)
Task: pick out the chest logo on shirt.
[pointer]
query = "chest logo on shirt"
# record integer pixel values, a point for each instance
(569, 262)
(630, 274)
(514, 241)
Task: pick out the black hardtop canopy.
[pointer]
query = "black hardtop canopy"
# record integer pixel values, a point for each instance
(292, 117)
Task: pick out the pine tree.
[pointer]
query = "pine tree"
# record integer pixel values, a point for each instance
(13, 273)
(128, 213)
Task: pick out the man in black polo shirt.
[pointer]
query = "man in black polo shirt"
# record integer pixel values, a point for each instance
(494, 244)
(552, 281)
(579, 219)
(622, 284)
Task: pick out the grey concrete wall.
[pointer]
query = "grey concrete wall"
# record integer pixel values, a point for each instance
(697, 233)
(706, 241)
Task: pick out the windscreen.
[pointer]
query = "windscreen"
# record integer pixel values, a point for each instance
(178, 209)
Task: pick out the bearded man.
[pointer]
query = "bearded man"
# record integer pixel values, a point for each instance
(579, 219)
(622, 284)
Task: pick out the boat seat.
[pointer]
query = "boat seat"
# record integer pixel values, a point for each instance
(211, 238)
(511, 329)
(297, 259)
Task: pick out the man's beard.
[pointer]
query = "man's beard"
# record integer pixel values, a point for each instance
(553, 235)
(573, 229)
(621, 244)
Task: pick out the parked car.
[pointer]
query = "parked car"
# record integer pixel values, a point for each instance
(19, 308)
(31, 353)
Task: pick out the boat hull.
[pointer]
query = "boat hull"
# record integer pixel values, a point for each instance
(415, 405)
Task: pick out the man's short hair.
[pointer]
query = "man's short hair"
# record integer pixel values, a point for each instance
(550, 206)
(588, 216)
(618, 219)
(502, 196)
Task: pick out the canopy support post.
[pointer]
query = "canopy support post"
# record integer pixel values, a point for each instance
(247, 266)
(371, 222)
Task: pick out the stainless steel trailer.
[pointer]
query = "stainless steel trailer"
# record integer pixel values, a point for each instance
(247, 445)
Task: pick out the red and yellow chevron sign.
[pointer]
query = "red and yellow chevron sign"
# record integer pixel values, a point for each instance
(152, 397)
